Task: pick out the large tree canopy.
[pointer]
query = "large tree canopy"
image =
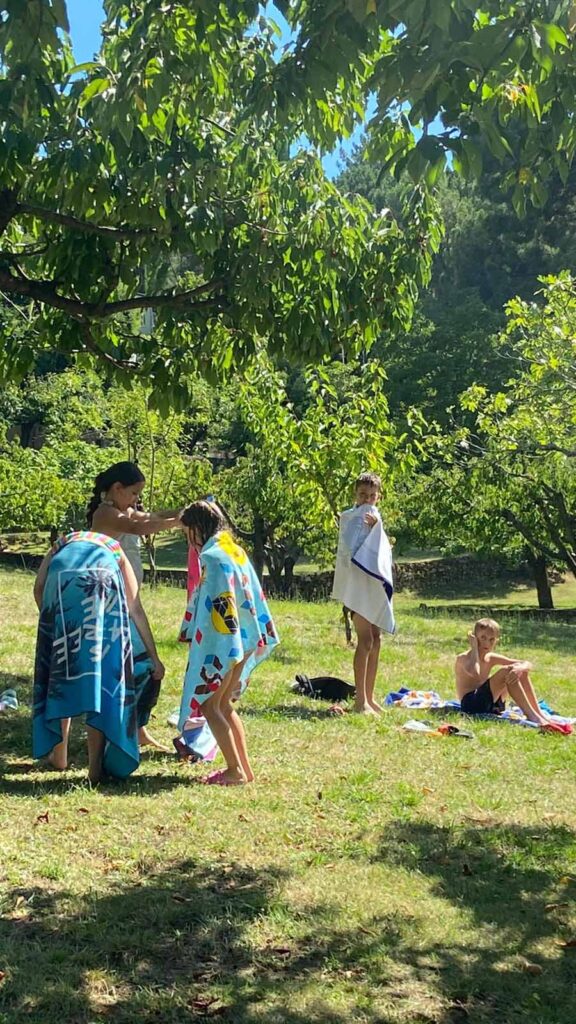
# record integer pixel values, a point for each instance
(152, 179)
(170, 173)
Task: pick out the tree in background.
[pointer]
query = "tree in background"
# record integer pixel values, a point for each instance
(488, 256)
(58, 431)
(288, 489)
(508, 483)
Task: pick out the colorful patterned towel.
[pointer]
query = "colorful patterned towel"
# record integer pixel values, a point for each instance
(430, 700)
(227, 620)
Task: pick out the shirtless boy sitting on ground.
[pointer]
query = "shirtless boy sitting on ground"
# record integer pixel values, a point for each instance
(480, 693)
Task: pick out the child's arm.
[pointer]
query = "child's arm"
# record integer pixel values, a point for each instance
(40, 580)
(500, 659)
(139, 523)
(473, 665)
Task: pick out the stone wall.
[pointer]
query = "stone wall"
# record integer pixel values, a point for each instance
(435, 576)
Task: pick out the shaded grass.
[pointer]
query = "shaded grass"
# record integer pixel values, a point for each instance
(369, 875)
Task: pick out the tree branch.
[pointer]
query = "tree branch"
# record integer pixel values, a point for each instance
(45, 291)
(91, 346)
(88, 227)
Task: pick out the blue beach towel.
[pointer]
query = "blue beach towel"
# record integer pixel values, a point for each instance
(84, 652)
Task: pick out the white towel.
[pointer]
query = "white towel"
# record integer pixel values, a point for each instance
(363, 578)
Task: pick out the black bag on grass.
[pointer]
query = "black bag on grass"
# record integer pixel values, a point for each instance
(323, 688)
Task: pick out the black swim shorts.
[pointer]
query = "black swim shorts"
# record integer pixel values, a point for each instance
(481, 702)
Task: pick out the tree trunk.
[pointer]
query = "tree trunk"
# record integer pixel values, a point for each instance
(289, 563)
(537, 563)
(258, 546)
(150, 544)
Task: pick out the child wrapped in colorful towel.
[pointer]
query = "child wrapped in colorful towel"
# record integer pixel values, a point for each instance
(230, 630)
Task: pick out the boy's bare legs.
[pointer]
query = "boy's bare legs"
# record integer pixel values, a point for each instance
(96, 742)
(507, 681)
(217, 713)
(372, 669)
(365, 664)
(527, 686)
(58, 756)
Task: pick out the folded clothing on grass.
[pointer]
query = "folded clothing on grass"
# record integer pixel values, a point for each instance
(430, 700)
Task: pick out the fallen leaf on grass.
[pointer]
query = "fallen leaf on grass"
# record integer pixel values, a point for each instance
(467, 870)
(554, 906)
(479, 819)
(208, 1006)
(531, 968)
(2, 976)
(182, 899)
(242, 817)
(568, 943)
(43, 818)
(427, 791)
(83, 810)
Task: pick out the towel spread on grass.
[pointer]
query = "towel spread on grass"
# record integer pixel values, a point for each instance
(227, 622)
(363, 574)
(430, 700)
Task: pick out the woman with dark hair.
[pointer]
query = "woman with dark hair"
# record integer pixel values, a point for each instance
(113, 510)
(230, 630)
(85, 589)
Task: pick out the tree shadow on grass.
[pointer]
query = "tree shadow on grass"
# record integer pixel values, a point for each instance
(188, 943)
(509, 881)
(302, 712)
(176, 947)
(484, 590)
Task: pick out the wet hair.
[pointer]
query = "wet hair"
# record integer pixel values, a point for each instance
(487, 624)
(371, 479)
(205, 517)
(125, 473)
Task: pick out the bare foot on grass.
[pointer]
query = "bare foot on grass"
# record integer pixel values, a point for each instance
(145, 739)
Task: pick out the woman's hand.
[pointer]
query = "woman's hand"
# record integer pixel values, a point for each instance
(159, 670)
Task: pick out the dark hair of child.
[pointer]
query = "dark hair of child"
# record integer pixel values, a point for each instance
(205, 517)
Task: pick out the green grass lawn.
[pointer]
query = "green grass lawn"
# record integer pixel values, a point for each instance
(368, 876)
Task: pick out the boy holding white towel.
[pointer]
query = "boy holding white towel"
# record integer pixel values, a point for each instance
(363, 583)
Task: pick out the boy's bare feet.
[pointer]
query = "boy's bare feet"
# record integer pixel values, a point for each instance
(365, 709)
(376, 706)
